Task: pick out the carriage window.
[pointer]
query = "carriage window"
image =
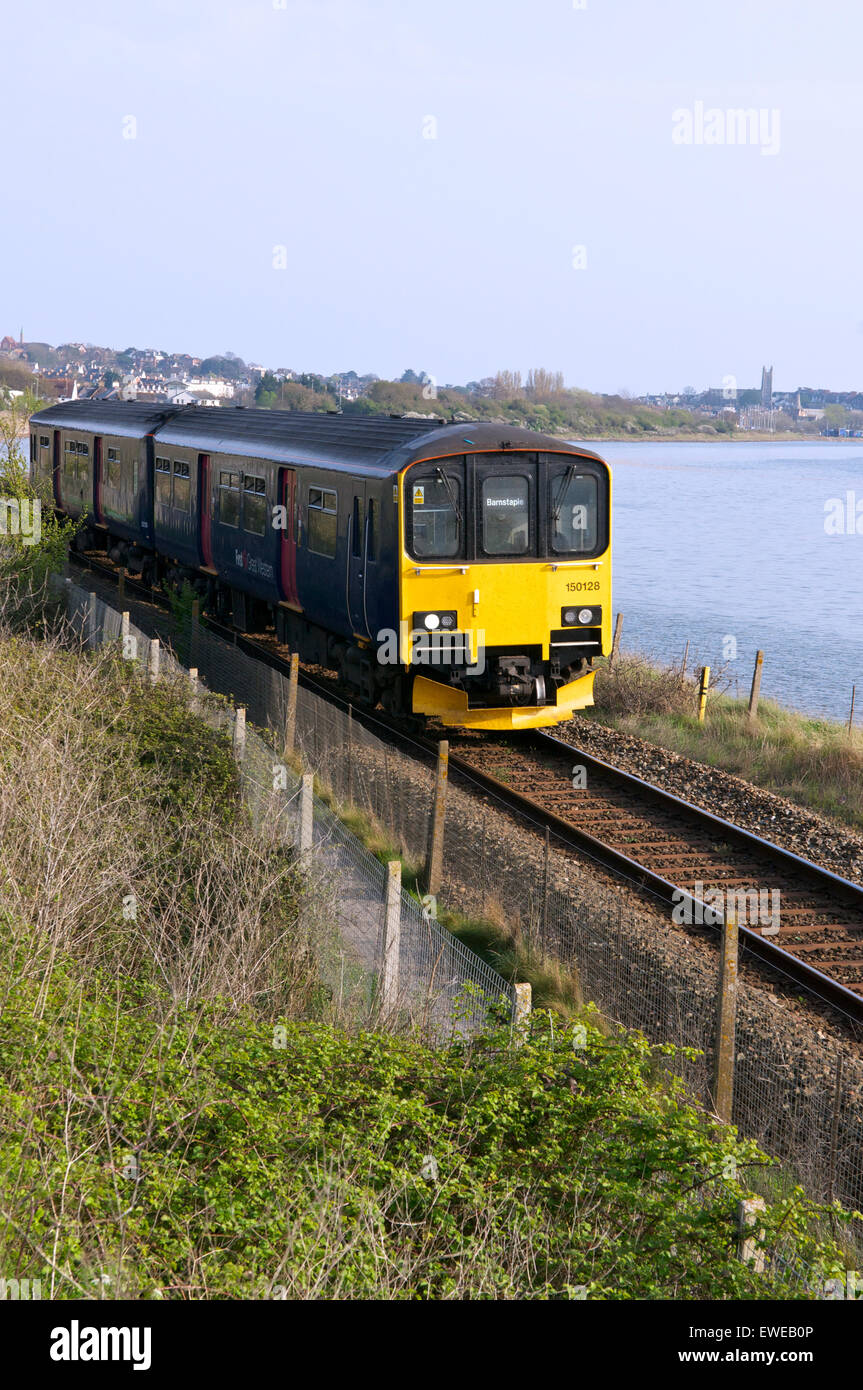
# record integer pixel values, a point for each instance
(505, 514)
(43, 441)
(182, 487)
(574, 506)
(322, 521)
(228, 498)
(163, 481)
(254, 505)
(371, 544)
(111, 470)
(436, 514)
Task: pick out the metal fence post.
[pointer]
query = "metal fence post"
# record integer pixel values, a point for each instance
(239, 737)
(91, 620)
(121, 583)
(756, 686)
(726, 1021)
(153, 663)
(392, 936)
(434, 866)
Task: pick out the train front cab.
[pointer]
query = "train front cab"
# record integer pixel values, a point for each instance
(511, 553)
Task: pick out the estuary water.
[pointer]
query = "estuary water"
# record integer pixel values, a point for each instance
(728, 546)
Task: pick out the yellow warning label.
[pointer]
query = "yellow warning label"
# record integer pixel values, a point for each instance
(419, 496)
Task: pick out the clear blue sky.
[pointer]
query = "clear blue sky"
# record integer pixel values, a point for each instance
(302, 127)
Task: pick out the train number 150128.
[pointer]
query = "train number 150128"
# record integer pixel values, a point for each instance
(578, 586)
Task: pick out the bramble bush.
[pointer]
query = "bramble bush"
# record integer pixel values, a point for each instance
(184, 1157)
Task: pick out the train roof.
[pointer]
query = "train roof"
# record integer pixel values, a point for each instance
(113, 417)
(371, 444)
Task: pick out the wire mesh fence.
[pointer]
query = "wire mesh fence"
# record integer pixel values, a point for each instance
(383, 959)
(796, 1091)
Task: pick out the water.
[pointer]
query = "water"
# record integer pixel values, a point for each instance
(727, 541)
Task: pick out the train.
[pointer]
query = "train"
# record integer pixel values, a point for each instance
(454, 571)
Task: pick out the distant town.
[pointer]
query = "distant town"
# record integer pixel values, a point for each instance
(82, 371)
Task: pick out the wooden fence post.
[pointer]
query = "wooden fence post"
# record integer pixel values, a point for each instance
(756, 687)
(350, 759)
(194, 635)
(521, 1012)
(615, 641)
(749, 1233)
(307, 813)
(834, 1129)
(239, 737)
(434, 865)
(91, 620)
(702, 692)
(851, 715)
(291, 720)
(121, 583)
(392, 936)
(543, 921)
(153, 664)
(726, 1021)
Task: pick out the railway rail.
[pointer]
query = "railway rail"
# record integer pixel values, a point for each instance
(666, 847)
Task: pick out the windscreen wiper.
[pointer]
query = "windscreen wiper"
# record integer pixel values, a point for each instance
(566, 479)
(451, 493)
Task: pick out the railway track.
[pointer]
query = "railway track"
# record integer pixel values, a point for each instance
(675, 851)
(681, 854)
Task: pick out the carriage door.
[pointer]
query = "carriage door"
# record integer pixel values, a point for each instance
(205, 504)
(97, 478)
(287, 534)
(55, 469)
(357, 559)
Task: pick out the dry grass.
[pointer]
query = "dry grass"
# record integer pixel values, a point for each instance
(813, 762)
(120, 853)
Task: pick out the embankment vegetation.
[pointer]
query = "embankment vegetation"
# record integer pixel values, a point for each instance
(182, 1115)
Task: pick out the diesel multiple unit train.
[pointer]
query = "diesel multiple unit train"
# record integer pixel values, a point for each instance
(460, 571)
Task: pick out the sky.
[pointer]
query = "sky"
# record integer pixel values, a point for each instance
(457, 187)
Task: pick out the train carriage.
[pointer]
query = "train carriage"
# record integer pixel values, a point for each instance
(460, 571)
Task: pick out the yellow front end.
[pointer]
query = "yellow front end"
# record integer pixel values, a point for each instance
(504, 605)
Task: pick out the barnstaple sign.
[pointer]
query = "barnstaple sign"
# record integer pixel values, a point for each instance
(76, 1343)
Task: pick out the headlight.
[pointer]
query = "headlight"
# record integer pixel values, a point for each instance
(444, 618)
(581, 617)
